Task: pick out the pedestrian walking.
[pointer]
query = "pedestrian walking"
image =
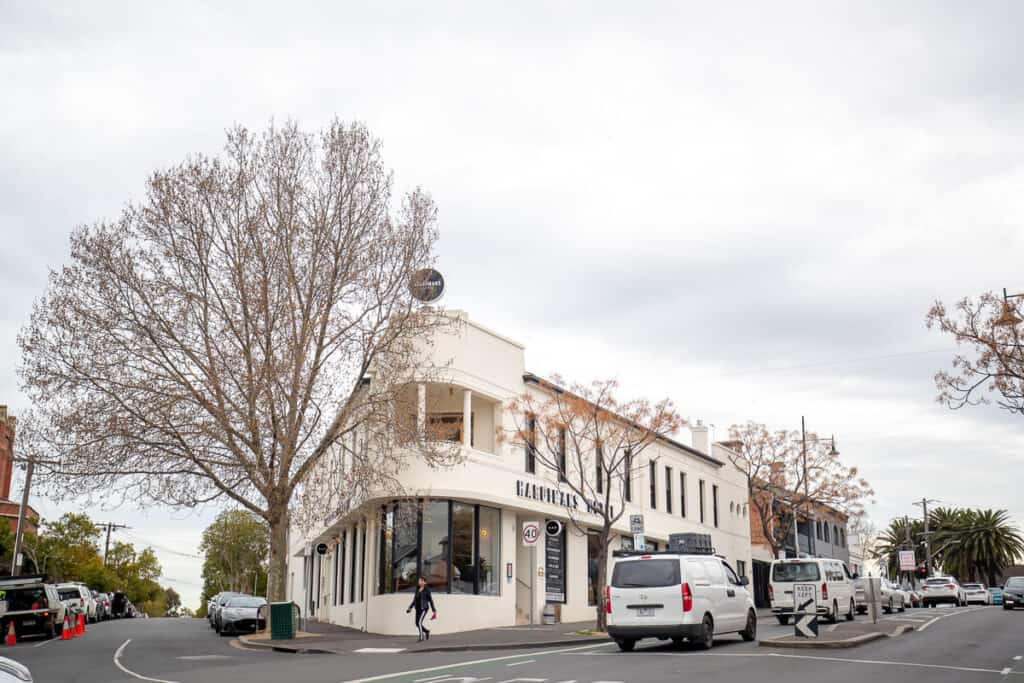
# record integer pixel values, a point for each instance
(421, 601)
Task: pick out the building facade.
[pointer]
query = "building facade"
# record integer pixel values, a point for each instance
(8, 508)
(461, 527)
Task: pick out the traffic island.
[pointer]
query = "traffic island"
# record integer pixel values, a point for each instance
(843, 635)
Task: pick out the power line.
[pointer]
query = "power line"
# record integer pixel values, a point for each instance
(824, 364)
(165, 549)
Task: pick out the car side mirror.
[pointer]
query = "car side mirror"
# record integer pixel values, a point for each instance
(855, 575)
(744, 581)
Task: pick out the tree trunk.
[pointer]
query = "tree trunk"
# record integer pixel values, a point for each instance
(602, 578)
(278, 569)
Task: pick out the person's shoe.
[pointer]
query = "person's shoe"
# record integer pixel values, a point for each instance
(420, 639)
(428, 635)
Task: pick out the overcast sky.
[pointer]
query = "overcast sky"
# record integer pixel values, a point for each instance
(748, 207)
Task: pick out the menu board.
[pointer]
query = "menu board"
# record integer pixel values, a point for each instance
(554, 567)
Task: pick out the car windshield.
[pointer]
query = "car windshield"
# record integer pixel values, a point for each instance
(18, 599)
(974, 586)
(646, 574)
(69, 594)
(1016, 583)
(786, 572)
(246, 602)
(938, 582)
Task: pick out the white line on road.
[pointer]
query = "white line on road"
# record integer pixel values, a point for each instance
(929, 623)
(380, 650)
(44, 642)
(1006, 670)
(525, 661)
(122, 667)
(429, 678)
(472, 662)
(1017, 658)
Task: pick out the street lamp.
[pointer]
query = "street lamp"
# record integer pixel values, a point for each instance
(1008, 317)
(832, 451)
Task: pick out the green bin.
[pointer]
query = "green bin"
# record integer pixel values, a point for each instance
(281, 625)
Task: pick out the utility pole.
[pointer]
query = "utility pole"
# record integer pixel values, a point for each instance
(927, 534)
(15, 564)
(910, 544)
(110, 527)
(803, 441)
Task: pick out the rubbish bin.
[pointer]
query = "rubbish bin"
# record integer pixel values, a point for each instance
(549, 614)
(282, 627)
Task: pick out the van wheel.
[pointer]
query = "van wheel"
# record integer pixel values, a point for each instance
(888, 608)
(626, 645)
(707, 635)
(750, 632)
(903, 606)
(51, 631)
(782, 620)
(677, 641)
(853, 608)
(833, 616)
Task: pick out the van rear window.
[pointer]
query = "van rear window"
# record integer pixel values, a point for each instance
(795, 571)
(645, 574)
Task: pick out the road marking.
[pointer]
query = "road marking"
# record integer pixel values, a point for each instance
(44, 642)
(380, 650)
(122, 667)
(1006, 670)
(429, 678)
(1017, 658)
(443, 667)
(202, 658)
(525, 661)
(923, 627)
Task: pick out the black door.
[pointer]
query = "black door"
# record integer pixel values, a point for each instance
(761, 571)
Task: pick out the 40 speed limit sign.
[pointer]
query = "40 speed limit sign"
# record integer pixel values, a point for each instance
(531, 533)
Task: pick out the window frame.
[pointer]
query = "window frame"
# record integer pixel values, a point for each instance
(668, 490)
(652, 472)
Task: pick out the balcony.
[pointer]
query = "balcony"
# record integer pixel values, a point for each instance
(443, 411)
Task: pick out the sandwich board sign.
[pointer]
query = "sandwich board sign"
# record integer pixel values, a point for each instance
(805, 610)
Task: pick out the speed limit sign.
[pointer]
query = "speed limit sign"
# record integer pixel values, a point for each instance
(531, 533)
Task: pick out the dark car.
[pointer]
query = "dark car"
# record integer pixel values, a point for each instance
(31, 604)
(1013, 592)
(119, 605)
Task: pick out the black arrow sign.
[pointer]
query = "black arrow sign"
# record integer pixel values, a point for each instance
(805, 605)
(806, 626)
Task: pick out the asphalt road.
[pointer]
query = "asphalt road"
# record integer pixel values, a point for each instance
(980, 644)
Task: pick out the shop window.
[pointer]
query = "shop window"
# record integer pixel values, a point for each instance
(463, 548)
(682, 494)
(653, 474)
(531, 444)
(668, 490)
(700, 498)
(354, 535)
(339, 574)
(489, 533)
(436, 567)
(714, 503)
(337, 571)
(593, 548)
(362, 566)
(406, 558)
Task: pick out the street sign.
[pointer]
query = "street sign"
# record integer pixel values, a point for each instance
(806, 626)
(639, 542)
(805, 608)
(553, 527)
(531, 534)
(321, 548)
(907, 561)
(636, 524)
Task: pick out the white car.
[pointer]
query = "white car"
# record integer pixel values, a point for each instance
(78, 599)
(241, 614)
(14, 672)
(682, 596)
(939, 589)
(893, 597)
(978, 593)
(833, 587)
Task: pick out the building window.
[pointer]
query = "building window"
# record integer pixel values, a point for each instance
(682, 494)
(826, 533)
(627, 477)
(741, 567)
(339, 585)
(593, 548)
(700, 498)
(599, 469)
(337, 569)
(448, 427)
(531, 444)
(561, 455)
(653, 470)
(714, 503)
(415, 542)
(842, 537)
(817, 529)
(668, 490)
(835, 533)
(362, 566)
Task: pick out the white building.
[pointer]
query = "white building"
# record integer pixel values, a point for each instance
(462, 530)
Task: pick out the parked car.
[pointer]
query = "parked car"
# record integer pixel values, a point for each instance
(119, 605)
(1013, 592)
(976, 593)
(74, 596)
(996, 595)
(14, 672)
(32, 605)
(913, 595)
(833, 587)
(893, 598)
(102, 605)
(241, 614)
(218, 605)
(942, 589)
(681, 596)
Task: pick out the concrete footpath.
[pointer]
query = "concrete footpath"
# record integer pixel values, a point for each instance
(331, 639)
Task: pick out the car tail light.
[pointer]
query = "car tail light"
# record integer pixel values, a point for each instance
(950, 586)
(687, 597)
(924, 588)
(824, 592)
(771, 593)
(607, 600)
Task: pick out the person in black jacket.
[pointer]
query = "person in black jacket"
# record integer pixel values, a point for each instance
(421, 601)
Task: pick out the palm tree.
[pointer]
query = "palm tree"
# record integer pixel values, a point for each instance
(894, 538)
(981, 543)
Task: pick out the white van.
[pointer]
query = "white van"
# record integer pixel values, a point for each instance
(674, 595)
(833, 587)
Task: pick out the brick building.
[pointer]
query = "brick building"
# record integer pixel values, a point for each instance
(8, 507)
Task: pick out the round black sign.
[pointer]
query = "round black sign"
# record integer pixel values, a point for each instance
(427, 285)
(321, 548)
(553, 527)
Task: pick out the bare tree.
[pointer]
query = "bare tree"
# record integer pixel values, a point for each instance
(588, 440)
(224, 336)
(994, 370)
(779, 483)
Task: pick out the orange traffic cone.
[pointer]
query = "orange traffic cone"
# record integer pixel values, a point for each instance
(65, 633)
(80, 626)
(11, 638)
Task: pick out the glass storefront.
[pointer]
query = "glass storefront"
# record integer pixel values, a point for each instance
(455, 546)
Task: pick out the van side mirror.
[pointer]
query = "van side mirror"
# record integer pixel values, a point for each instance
(744, 581)
(855, 575)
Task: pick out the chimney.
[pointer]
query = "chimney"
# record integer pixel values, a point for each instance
(699, 434)
(7, 423)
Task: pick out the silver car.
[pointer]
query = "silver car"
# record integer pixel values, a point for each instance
(241, 614)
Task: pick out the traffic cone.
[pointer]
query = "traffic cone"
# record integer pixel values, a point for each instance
(12, 637)
(80, 626)
(65, 633)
